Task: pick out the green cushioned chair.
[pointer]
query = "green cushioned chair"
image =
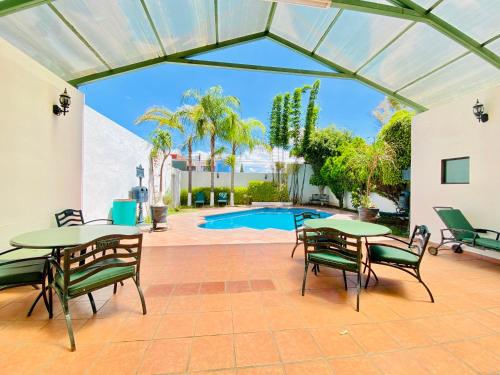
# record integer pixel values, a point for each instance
(407, 259)
(89, 267)
(199, 198)
(298, 221)
(459, 231)
(222, 198)
(20, 267)
(330, 248)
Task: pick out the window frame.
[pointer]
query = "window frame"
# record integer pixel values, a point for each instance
(443, 171)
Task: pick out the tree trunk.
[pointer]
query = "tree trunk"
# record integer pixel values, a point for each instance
(212, 169)
(190, 172)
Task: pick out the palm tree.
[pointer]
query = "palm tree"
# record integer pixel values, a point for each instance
(215, 107)
(240, 135)
(161, 138)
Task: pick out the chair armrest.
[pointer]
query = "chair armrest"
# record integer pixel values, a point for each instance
(9, 251)
(394, 247)
(452, 230)
(482, 230)
(55, 264)
(397, 239)
(92, 221)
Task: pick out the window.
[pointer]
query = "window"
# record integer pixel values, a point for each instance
(455, 171)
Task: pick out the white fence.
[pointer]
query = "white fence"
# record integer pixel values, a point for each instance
(223, 179)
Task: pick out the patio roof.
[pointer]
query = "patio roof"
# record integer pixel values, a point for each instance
(422, 52)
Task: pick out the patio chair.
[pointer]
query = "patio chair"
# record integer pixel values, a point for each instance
(199, 198)
(71, 217)
(222, 198)
(72, 279)
(330, 248)
(459, 231)
(407, 259)
(298, 221)
(315, 199)
(324, 199)
(20, 267)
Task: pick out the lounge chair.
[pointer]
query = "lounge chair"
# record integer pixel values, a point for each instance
(315, 199)
(222, 198)
(460, 232)
(199, 198)
(324, 199)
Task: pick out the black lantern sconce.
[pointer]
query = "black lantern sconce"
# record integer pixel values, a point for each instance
(65, 101)
(478, 110)
(217, 174)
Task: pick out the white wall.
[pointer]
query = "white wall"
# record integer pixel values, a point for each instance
(201, 179)
(111, 154)
(449, 131)
(40, 153)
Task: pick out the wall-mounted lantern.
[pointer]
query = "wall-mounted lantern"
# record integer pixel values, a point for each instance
(217, 174)
(65, 101)
(478, 110)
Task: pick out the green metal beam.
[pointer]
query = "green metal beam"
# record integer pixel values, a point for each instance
(216, 20)
(153, 27)
(271, 16)
(78, 35)
(260, 68)
(452, 32)
(328, 29)
(348, 72)
(12, 6)
(159, 60)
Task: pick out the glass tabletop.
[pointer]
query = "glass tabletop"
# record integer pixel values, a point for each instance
(68, 236)
(354, 228)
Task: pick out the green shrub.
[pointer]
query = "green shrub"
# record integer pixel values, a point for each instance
(266, 191)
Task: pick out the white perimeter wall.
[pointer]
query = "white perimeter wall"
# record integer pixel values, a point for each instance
(111, 154)
(201, 179)
(40, 153)
(450, 131)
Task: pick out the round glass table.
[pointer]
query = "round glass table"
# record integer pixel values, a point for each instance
(68, 236)
(355, 228)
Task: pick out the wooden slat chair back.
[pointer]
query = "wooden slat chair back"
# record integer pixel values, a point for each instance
(334, 249)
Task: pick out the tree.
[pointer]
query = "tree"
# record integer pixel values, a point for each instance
(239, 134)
(397, 134)
(163, 118)
(295, 118)
(215, 108)
(385, 109)
(311, 116)
(162, 146)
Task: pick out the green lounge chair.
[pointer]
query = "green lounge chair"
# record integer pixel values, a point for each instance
(460, 232)
(222, 198)
(85, 272)
(20, 267)
(199, 198)
(407, 259)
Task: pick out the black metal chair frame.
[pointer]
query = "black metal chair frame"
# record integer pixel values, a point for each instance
(71, 217)
(42, 283)
(72, 263)
(418, 241)
(298, 220)
(315, 199)
(448, 236)
(341, 244)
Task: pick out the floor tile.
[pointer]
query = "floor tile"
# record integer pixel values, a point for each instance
(354, 365)
(238, 286)
(254, 349)
(313, 367)
(334, 342)
(211, 352)
(214, 323)
(296, 345)
(166, 356)
(176, 325)
(214, 287)
(251, 320)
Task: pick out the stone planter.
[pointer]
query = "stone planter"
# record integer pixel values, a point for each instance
(368, 214)
(158, 215)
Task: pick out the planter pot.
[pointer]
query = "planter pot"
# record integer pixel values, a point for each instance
(158, 215)
(367, 214)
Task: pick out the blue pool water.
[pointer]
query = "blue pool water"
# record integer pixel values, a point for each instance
(260, 218)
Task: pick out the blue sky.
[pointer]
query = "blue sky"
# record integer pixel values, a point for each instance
(345, 103)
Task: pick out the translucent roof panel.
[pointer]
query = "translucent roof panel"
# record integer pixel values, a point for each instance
(302, 25)
(356, 37)
(494, 46)
(241, 17)
(42, 35)
(185, 24)
(479, 19)
(417, 52)
(467, 74)
(117, 29)
(426, 4)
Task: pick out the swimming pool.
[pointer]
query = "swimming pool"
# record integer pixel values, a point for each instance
(260, 218)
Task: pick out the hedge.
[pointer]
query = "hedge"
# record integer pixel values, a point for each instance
(257, 191)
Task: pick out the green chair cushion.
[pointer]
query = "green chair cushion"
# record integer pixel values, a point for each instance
(331, 259)
(29, 271)
(101, 279)
(488, 243)
(380, 253)
(454, 218)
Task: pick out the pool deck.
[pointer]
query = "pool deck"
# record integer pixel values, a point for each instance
(183, 230)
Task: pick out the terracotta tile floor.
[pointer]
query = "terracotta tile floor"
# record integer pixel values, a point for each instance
(237, 309)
